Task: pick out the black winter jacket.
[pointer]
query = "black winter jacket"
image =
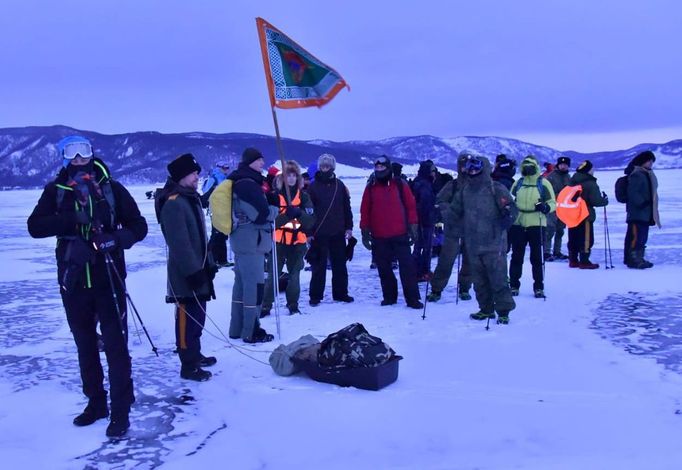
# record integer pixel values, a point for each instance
(330, 197)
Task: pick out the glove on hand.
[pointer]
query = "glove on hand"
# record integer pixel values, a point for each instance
(542, 207)
(605, 197)
(413, 233)
(197, 279)
(293, 212)
(104, 242)
(367, 239)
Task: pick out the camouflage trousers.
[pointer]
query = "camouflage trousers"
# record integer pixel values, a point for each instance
(489, 273)
(554, 230)
(292, 257)
(446, 262)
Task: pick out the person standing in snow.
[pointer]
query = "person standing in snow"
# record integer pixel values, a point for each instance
(294, 220)
(642, 208)
(453, 242)
(388, 221)
(581, 237)
(190, 264)
(487, 210)
(558, 178)
(333, 228)
(94, 219)
(504, 171)
(425, 198)
(535, 199)
(218, 241)
(254, 214)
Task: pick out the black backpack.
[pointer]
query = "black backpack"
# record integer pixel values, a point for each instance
(352, 347)
(622, 189)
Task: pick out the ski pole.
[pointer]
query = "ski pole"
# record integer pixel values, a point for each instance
(608, 238)
(428, 276)
(542, 247)
(275, 281)
(459, 266)
(119, 315)
(130, 301)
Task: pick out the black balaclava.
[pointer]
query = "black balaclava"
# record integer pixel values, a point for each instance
(324, 175)
(529, 170)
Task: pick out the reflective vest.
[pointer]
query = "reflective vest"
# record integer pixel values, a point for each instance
(290, 233)
(571, 208)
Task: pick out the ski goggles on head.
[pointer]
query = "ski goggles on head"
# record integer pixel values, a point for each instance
(473, 165)
(75, 149)
(381, 161)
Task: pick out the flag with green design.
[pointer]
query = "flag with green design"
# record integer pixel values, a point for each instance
(296, 78)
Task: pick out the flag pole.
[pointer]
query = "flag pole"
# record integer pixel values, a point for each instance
(280, 150)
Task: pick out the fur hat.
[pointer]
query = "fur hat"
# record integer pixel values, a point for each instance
(292, 166)
(563, 159)
(326, 159)
(183, 166)
(644, 157)
(585, 167)
(250, 155)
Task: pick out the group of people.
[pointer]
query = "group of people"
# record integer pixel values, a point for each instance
(281, 220)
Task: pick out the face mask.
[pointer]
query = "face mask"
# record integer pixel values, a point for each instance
(324, 175)
(382, 174)
(528, 170)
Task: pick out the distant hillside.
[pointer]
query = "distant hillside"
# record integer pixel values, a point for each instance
(28, 156)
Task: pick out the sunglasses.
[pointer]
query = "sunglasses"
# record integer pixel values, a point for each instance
(75, 149)
(381, 161)
(473, 165)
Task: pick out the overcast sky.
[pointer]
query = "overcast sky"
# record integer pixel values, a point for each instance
(572, 74)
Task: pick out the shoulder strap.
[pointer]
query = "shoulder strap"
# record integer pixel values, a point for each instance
(515, 189)
(109, 196)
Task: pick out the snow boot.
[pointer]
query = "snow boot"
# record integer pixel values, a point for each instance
(195, 373)
(649, 264)
(259, 336)
(118, 426)
(293, 309)
(636, 261)
(345, 299)
(482, 315)
(388, 302)
(585, 262)
(573, 259)
(264, 312)
(503, 318)
(415, 304)
(539, 293)
(96, 409)
(560, 256)
(207, 361)
(314, 302)
(548, 257)
(434, 296)
(464, 295)
(514, 291)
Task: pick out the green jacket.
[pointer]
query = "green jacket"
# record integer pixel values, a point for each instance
(526, 193)
(591, 192)
(559, 180)
(444, 198)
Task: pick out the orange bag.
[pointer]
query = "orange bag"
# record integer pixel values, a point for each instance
(571, 208)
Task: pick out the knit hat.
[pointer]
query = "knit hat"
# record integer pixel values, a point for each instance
(250, 155)
(500, 158)
(584, 167)
(565, 160)
(327, 159)
(644, 157)
(182, 166)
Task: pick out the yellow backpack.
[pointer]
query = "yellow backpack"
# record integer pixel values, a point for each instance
(220, 203)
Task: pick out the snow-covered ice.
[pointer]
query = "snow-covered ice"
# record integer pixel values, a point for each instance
(588, 378)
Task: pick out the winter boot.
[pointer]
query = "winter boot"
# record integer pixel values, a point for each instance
(118, 426)
(259, 336)
(345, 299)
(585, 262)
(648, 263)
(464, 295)
(385, 302)
(636, 261)
(539, 293)
(434, 296)
(560, 256)
(548, 257)
(503, 318)
(514, 291)
(482, 315)
(194, 373)
(264, 312)
(207, 361)
(573, 259)
(415, 304)
(96, 409)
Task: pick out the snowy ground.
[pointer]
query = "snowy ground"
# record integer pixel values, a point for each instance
(588, 378)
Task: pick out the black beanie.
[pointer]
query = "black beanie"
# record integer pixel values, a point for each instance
(501, 158)
(584, 167)
(565, 160)
(250, 155)
(644, 157)
(182, 166)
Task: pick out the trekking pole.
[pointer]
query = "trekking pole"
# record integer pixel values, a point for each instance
(459, 266)
(606, 256)
(608, 240)
(275, 283)
(542, 247)
(109, 261)
(487, 325)
(119, 315)
(428, 276)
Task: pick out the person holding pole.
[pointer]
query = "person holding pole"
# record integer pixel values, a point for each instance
(94, 219)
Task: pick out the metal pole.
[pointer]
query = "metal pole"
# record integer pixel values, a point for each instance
(280, 150)
(275, 281)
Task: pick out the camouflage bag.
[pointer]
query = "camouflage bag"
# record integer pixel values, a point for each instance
(352, 347)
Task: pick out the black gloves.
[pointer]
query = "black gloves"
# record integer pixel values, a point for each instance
(104, 242)
(273, 198)
(197, 279)
(605, 197)
(367, 239)
(293, 212)
(542, 207)
(413, 233)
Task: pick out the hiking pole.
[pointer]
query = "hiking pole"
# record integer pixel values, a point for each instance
(608, 240)
(119, 316)
(275, 281)
(110, 261)
(542, 247)
(428, 276)
(487, 325)
(459, 266)
(606, 256)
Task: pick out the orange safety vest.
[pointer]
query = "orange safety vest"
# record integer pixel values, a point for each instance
(571, 209)
(290, 233)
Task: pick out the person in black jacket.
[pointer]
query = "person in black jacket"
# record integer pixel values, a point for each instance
(332, 229)
(504, 171)
(94, 219)
(190, 263)
(642, 208)
(424, 196)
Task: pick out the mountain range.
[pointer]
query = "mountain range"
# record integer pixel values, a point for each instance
(28, 156)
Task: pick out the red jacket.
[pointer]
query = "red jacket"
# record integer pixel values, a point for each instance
(383, 211)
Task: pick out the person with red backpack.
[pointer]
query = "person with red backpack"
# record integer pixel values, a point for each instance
(581, 237)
